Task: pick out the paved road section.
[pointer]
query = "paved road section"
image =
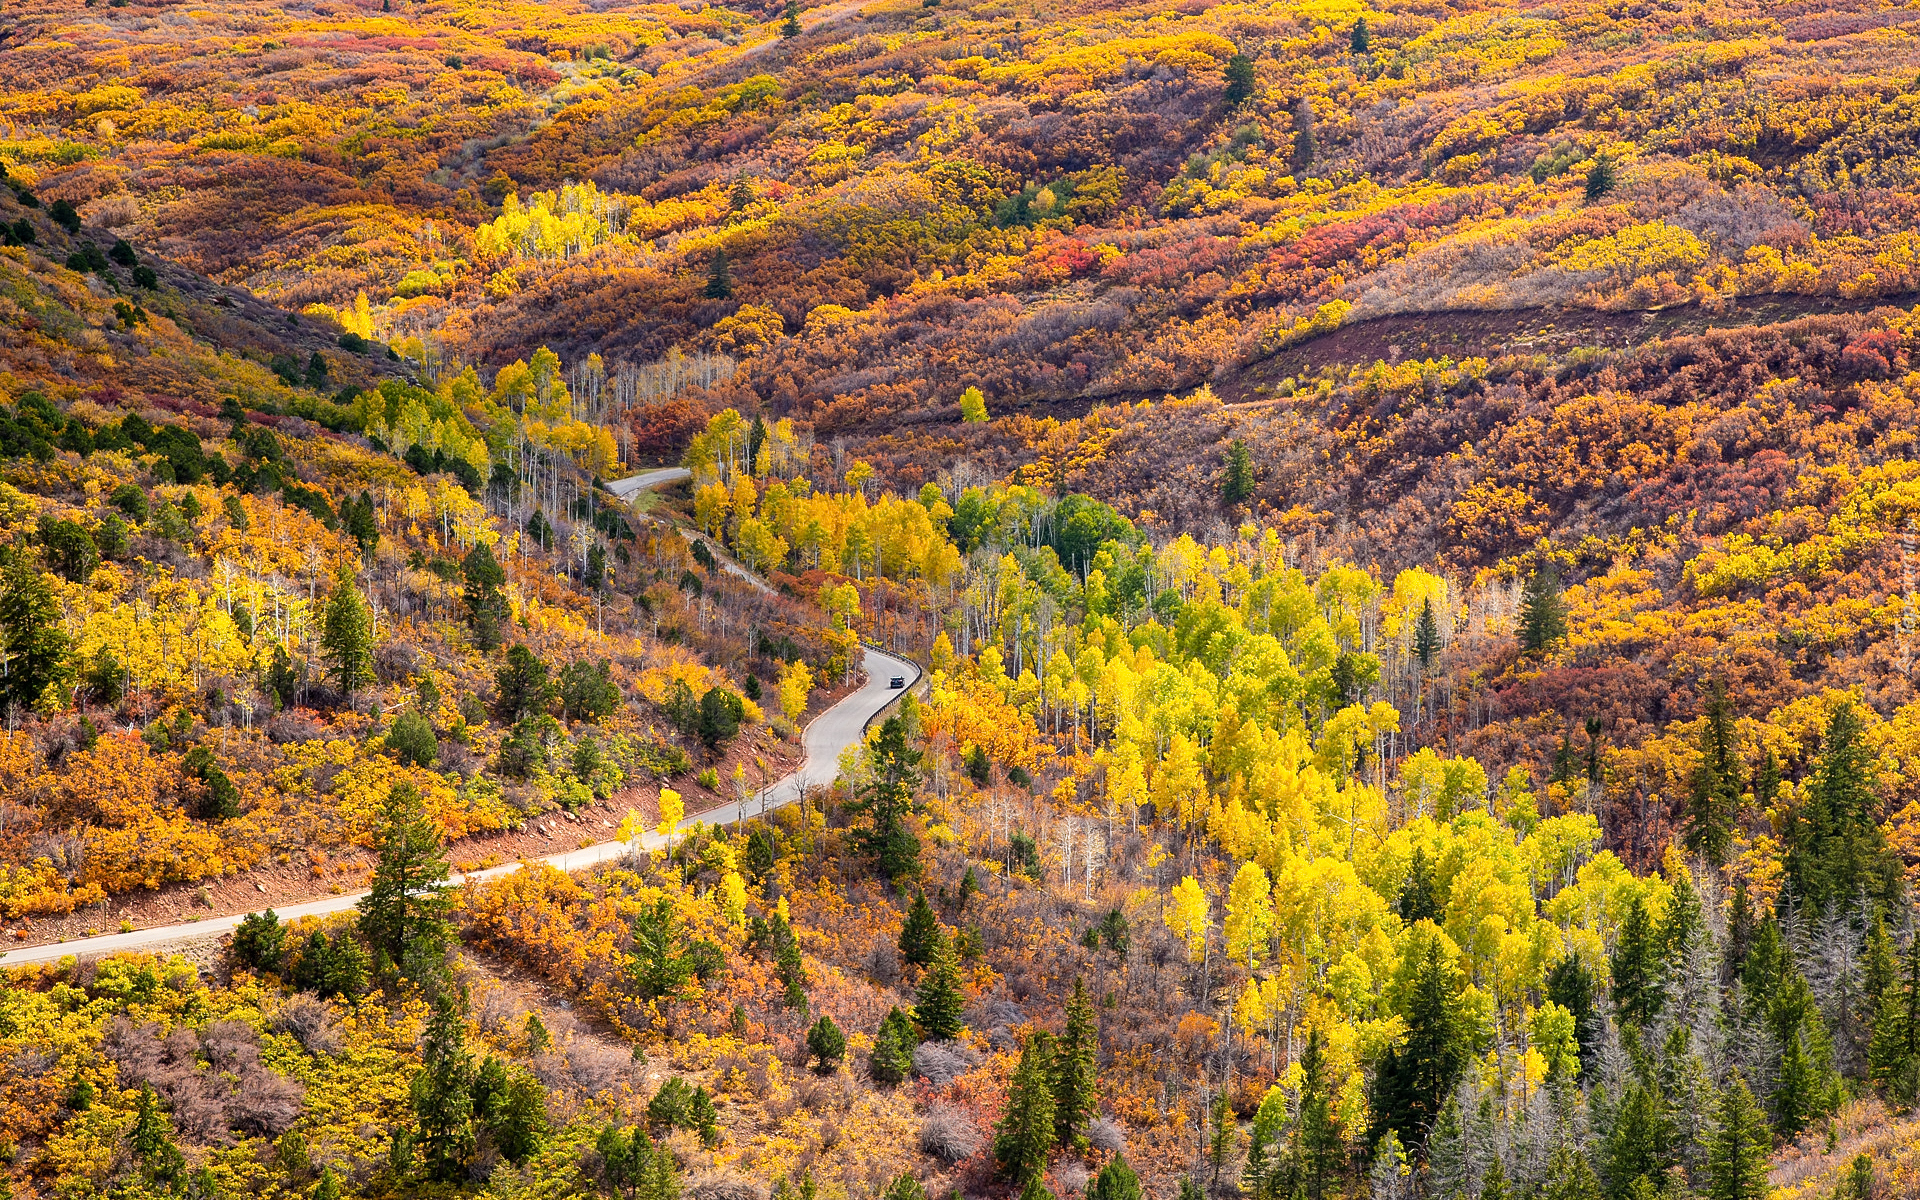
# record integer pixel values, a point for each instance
(633, 484)
(826, 736)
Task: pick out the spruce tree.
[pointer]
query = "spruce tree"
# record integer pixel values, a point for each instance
(826, 1042)
(1894, 1058)
(152, 1140)
(33, 633)
(1543, 614)
(1360, 42)
(1713, 797)
(1418, 1074)
(1640, 1143)
(1076, 1071)
(1419, 897)
(1240, 82)
(1806, 1085)
(485, 603)
(1600, 177)
(1573, 987)
(1570, 1176)
(346, 639)
(892, 1057)
(1636, 967)
(885, 798)
(1835, 847)
(937, 1005)
(719, 277)
(1318, 1154)
(1738, 1147)
(1426, 636)
(1026, 1133)
(918, 931)
(404, 915)
(790, 28)
(442, 1092)
(1116, 1181)
(1237, 485)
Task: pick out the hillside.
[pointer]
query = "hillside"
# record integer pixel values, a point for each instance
(1406, 514)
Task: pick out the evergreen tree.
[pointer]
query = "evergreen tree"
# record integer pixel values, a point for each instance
(1419, 898)
(1426, 636)
(1240, 83)
(346, 639)
(1737, 1151)
(485, 603)
(522, 687)
(1360, 41)
(1639, 1146)
(1600, 177)
(969, 888)
(719, 277)
(1806, 1086)
(1713, 799)
(1637, 967)
(1543, 613)
(1417, 1075)
(442, 1092)
(1894, 1058)
(1835, 848)
(1573, 987)
(1116, 1181)
(885, 797)
(892, 1057)
(1495, 1185)
(938, 1003)
(918, 931)
(1318, 1153)
(904, 1187)
(362, 523)
(34, 646)
(1859, 1185)
(1026, 1133)
(1882, 968)
(1237, 486)
(1570, 1176)
(1076, 1071)
(790, 28)
(152, 1141)
(404, 915)
(827, 1043)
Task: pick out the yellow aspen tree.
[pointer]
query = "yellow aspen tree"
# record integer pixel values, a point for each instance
(1189, 915)
(671, 810)
(1249, 915)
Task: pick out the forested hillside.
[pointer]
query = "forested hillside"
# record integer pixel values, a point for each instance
(1406, 513)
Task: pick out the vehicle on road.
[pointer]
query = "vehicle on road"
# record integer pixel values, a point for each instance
(898, 681)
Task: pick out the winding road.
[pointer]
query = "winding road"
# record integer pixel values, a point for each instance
(826, 736)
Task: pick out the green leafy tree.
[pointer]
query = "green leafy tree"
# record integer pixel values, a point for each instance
(827, 1043)
(588, 692)
(1240, 81)
(1738, 1147)
(973, 406)
(938, 1004)
(1713, 797)
(260, 941)
(485, 603)
(918, 931)
(1025, 1133)
(1236, 487)
(412, 740)
(1075, 1071)
(34, 647)
(346, 639)
(404, 914)
(721, 711)
(70, 550)
(885, 798)
(1543, 613)
(331, 966)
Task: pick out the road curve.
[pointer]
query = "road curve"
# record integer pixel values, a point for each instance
(826, 736)
(623, 488)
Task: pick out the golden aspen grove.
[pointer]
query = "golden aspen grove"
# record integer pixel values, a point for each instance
(959, 600)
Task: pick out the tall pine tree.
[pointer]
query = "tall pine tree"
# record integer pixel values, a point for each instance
(404, 915)
(442, 1091)
(1543, 614)
(1738, 1147)
(885, 798)
(346, 638)
(937, 1005)
(1835, 849)
(1418, 1075)
(1025, 1133)
(1075, 1071)
(1637, 967)
(1713, 798)
(1318, 1154)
